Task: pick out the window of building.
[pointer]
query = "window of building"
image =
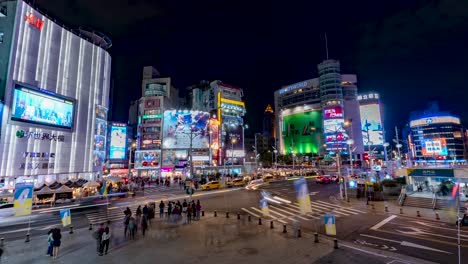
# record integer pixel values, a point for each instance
(1, 37)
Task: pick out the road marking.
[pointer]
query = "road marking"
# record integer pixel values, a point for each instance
(247, 211)
(15, 231)
(365, 251)
(272, 217)
(298, 216)
(408, 244)
(329, 207)
(282, 200)
(383, 222)
(434, 226)
(344, 207)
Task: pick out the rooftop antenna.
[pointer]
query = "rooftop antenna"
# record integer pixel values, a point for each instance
(326, 44)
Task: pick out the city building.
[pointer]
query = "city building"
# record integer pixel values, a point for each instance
(318, 115)
(372, 128)
(435, 137)
(269, 122)
(158, 95)
(54, 86)
(119, 140)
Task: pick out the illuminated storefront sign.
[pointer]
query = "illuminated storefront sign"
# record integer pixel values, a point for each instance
(34, 21)
(371, 121)
(118, 141)
(333, 112)
(39, 136)
(435, 120)
(152, 116)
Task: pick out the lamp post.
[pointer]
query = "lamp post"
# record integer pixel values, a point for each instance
(275, 151)
(132, 146)
(233, 141)
(399, 154)
(350, 142)
(385, 145)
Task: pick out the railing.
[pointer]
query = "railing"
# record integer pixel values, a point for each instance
(402, 196)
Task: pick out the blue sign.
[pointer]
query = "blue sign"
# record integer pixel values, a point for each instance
(118, 142)
(330, 225)
(22, 202)
(352, 184)
(65, 217)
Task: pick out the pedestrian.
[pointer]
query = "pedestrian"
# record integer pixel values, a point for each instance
(144, 224)
(145, 210)
(128, 212)
(151, 213)
(57, 241)
(138, 216)
(105, 241)
(189, 215)
(161, 209)
(132, 227)
(184, 206)
(194, 209)
(126, 223)
(98, 237)
(50, 241)
(198, 208)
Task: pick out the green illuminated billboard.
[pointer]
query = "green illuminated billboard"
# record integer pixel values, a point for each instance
(302, 132)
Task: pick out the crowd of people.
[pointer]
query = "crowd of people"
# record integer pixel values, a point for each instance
(174, 211)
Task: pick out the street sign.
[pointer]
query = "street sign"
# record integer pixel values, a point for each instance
(264, 207)
(330, 226)
(65, 216)
(22, 202)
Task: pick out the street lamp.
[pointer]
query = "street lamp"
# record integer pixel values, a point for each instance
(385, 145)
(132, 146)
(399, 153)
(275, 151)
(233, 141)
(350, 142)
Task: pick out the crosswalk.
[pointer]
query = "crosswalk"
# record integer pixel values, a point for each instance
(114, 214)
(284, 212)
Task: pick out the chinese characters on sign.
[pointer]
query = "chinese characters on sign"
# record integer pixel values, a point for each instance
(34, 21)
(39, 136)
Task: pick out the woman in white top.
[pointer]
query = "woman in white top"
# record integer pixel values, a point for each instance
(105, 240)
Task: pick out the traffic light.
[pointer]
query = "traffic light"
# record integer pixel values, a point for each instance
(352, 184)
(365, 156)
(341, 179)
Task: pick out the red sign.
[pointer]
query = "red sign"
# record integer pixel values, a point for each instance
(333, 112)
(34, 21)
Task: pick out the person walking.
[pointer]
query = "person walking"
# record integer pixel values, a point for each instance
(98, 237)
(145, 210)
(198, 208)
(50, 241)
(194, 209)
(144, 224)
(126, 222)
(161, 209)
(189, 215)
(169, 211)
(132, 227)
(138, 216)
(57, 242)
(105, 241)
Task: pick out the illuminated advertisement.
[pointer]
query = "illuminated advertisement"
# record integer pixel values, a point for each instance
(172, 157)
(335, 134)
(41, 107)
(147, 159)
(214, 132)
(234, 133)
(333, 112)
(434, 147)
(100, 137)
(118, 142)
(372, 129)
(302, 132)
(180, 128)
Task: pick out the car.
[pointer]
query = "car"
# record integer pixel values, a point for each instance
(236, 183)
(6, 210)
(335, 178)
(211, 185)
(253, 185)
(268, 178)
(323, 179)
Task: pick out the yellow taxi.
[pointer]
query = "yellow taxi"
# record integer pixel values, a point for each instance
(211, 185)
(268, 178)
(236, 183)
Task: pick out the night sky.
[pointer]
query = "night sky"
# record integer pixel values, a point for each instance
(408, 51)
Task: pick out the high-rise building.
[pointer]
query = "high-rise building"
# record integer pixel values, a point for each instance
(269, 122)
(372, 128)
(55, 87)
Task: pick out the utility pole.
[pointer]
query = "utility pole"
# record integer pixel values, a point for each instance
(191, 156)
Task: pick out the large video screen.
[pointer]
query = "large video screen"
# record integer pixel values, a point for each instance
(371, 122)
(302, 132)
(335, 133)
(38, 107)
(172, 157)
(147, 159)
(182, 127)
(434, 147)
(118, 142)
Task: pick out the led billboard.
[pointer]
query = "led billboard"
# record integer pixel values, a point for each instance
(234, 133)
(180, 126)
(333, 112)
(302, 132)
(42, 107)
(172, 157)
(118, 141)
(335, 134)
(147, 159)
(434, 147)
(371, 122)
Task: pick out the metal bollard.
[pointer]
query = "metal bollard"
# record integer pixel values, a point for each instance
(90, 226)
(386, 208)
(299, 232)
(401, 210)
(316, 237)
(249, 218)
(215, 214)
(71, 229)
(259, 221)
(437, 216)
(418, 214)
(27, 238)
(335, 242)
(202, 213)
(227, 214)
(2, 241)
(238, 216)
(271, 225)
(284, 228)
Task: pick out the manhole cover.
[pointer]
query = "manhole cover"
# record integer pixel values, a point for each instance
(248, 251)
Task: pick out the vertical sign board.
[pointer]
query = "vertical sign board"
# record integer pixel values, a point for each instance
(264, 207)
(303, 197)
(330, 226)
(23, 198)
(65, 216)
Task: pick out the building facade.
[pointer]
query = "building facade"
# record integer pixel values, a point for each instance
(436, 137)
(55, 90)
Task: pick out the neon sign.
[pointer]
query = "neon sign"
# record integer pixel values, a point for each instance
(34, 21)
